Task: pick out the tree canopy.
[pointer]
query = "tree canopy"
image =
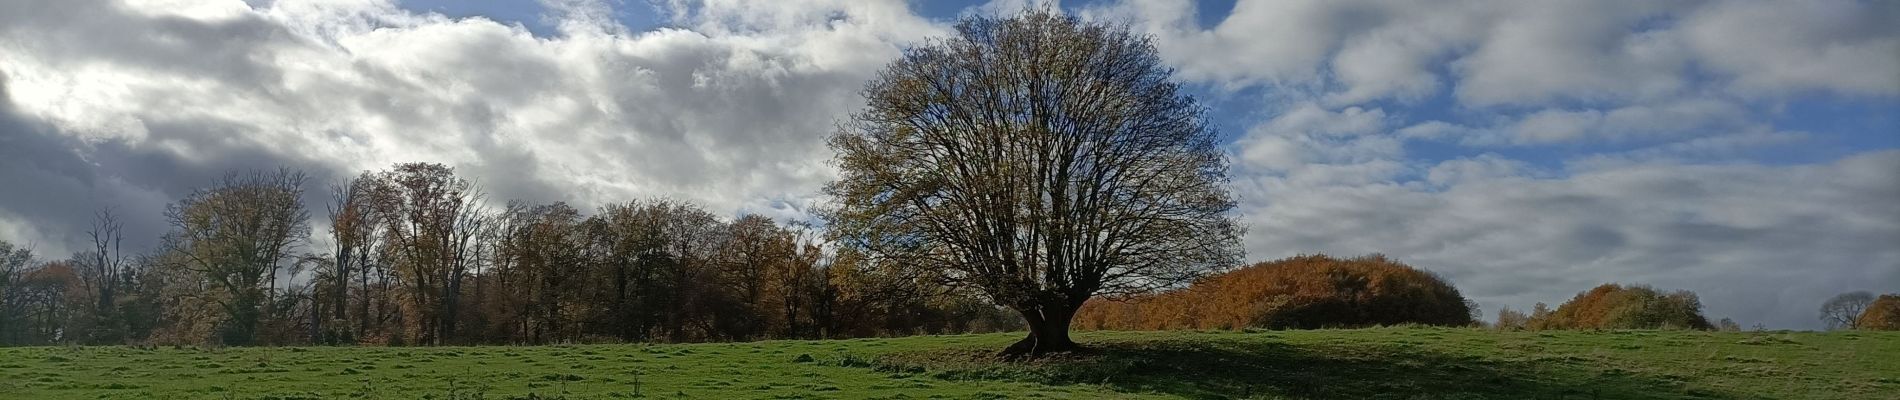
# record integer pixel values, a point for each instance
(1040, 159)
(1614, 306)
(1881, 315)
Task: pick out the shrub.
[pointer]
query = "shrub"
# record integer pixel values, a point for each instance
(1511, 320)
(1882, 315)
(1301, 292)
(1613, 306)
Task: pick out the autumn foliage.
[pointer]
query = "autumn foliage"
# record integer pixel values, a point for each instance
(1613, 306)
(1882, 315)
(1303, 292)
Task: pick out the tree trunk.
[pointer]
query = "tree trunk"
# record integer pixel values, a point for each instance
(1048, 332)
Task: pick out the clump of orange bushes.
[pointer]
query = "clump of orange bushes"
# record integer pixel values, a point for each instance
(1613, 306)
(1881, 315)
(1302, 292)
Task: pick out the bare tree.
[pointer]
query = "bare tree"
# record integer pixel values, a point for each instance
(100, 268)
(1509, 319)
(430, 220)
(353, 235)
(1843, 311)
(236, 234)
(1041, 159)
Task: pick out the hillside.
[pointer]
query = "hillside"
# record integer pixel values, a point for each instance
(1399, 363)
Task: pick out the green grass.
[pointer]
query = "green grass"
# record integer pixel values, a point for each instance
(1383, 363)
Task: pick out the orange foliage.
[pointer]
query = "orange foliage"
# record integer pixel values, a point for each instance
(1613, 306)
(1882, 315)
(1299, 292)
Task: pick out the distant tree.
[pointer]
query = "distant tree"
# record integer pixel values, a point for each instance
(1041, 159)
(793, 282)
(756, 247)
(1540, 318)
(1728, 325)
(1509, 319)
(43, 299)
(236, 235)
(636, 261)
(1474, 313)
(1881, 315)
(354, 237)
(430, 219)
(1843, 311)
(15, 262)
(543, 268)
(101, 273)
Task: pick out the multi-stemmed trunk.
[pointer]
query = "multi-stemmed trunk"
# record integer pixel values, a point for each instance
(1048, 331)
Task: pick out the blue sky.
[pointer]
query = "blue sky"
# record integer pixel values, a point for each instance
(1527, 150)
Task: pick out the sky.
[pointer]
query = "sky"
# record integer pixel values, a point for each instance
(1746, 150)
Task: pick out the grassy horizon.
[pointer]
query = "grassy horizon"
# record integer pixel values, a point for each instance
(1379, 363)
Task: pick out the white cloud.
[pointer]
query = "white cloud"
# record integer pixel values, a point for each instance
(1537, 52)
(1309, 134)
(1541, 51)
(1776, 47)
(1483, 167)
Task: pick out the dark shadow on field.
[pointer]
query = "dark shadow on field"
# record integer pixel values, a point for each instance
(1243, 369)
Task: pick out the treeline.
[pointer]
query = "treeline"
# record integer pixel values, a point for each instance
(1303, 292)
(414, 257)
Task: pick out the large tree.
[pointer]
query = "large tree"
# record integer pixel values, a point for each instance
(236, 235)
(1041, 159)
(430, 219)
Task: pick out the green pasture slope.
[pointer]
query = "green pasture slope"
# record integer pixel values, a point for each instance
(1381, 363)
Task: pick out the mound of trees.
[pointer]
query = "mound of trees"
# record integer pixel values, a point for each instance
(1614, 306)
(1881, 315)
(1313, 291)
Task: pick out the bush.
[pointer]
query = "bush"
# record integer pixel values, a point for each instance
(1613, 306)
(1882, 315)
(1511, 320)
(1302, 292)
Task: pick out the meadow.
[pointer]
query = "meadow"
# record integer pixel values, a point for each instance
(1374, 363)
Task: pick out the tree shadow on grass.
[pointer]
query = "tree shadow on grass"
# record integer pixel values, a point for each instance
(1244, 369)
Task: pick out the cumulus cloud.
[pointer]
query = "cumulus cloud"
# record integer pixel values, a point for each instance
(1530, 52)
(1770, 47)
(729, 109)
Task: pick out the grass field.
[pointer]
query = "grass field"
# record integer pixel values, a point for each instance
(1382, 363)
